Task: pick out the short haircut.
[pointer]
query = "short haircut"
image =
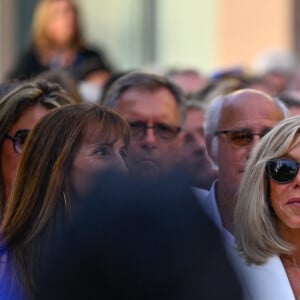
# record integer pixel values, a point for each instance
(192, 103)
(255, 226)
(142, 80)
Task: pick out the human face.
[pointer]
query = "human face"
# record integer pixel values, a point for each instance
(251, 110)
(285, 198)
(194, 155)
(149, 155)
(96, 155)
(61, 24)
(9, 158)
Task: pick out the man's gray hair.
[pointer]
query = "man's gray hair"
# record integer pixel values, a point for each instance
(142, 80)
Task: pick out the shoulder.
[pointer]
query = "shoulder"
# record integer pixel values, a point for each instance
(266, 281)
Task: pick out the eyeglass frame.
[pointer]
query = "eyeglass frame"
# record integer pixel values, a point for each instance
(176, 130)
(15, 138)
(252, 134)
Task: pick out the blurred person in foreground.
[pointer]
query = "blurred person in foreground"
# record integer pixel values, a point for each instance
(20, 110)
(234, 124)
(267, 216)
(152, 106)
(194, 155)
(145, 239)
(62, 154)
(56, 42)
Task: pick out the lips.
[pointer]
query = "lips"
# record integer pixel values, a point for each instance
(294, 201)
(148, 162)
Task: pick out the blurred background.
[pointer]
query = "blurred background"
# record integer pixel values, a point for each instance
(162, 34)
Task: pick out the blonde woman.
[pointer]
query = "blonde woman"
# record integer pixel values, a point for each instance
(267, 216)
(56, 42)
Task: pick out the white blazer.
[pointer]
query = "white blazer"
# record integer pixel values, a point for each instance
(262, 282)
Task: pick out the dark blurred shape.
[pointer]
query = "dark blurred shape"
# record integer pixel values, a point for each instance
(139, 239)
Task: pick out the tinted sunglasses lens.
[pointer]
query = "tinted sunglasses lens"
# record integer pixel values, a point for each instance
(20, 139)
(282, 170)
(241, 138)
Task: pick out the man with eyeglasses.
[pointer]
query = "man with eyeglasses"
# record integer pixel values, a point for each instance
(234, 124)
(151, 104)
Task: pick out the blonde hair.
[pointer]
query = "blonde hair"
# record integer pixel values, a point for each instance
(255, 223)
(40, 39)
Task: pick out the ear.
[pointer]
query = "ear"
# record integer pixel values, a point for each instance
(212, 148)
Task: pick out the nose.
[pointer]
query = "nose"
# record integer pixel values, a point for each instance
(200, 142)
(149, 140)
(119, 164)
(296, 181)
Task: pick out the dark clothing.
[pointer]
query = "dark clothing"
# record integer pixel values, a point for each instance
(135, 239)
(29, 65)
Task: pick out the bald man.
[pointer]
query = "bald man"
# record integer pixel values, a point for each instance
(234, 125)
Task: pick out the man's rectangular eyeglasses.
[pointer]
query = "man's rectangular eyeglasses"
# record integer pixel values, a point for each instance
(18, 139)
(162, 131)
(241, 137)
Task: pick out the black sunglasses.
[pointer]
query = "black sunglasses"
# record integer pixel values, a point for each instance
(282, 170)
(241, 137)
(162, 131)
(18, 139)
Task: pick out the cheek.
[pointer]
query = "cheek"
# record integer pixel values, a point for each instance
(9, 159)
(83, 173)
(276, 195)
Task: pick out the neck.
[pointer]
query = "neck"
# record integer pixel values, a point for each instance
(291, 261)
(225, 202)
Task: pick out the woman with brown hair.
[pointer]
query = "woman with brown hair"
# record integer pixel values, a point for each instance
(20, 110)
(63, 153)
(56, 42)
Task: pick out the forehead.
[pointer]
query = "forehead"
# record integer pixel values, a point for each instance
(150, 105)
(99, 131)
(30, 116)
(249, 110)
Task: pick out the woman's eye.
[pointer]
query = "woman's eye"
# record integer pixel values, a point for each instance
(102, 152)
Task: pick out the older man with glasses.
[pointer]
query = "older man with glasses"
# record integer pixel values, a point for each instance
(234, 124)
(151, 104)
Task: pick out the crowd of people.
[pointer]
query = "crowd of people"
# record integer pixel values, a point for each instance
(144, 185)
